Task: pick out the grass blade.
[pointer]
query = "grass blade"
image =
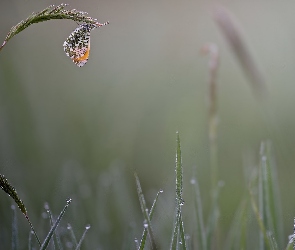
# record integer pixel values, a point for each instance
(237, 234)
(201, 232)
(182, 234)
(49, 13)
(178, 225)
(14, 243)
(259, 221)
(144, 209)
(273, 202)
(231, 32)
(82, 238)
(10, 190)
(50, 234)
(30, 240)
(144, 234)
(46, 206)
(213, 52)
(267, 198)
(73, 236)
(213, 216)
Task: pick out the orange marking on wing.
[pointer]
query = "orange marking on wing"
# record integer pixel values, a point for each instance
(85, 56)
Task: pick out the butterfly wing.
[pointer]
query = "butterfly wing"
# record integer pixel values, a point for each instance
(77, 45)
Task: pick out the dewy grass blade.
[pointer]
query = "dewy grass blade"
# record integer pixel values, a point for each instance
(261, 198)
(179, 174)
(144, 234)
(83, 237)
(144, 209)
(182, 234)
(273, 244)
(259, 219)
(179, 199)
(10, 190)
(73, 236)
(201, 232)
(59, 245)
(50, 234)
(266, 195)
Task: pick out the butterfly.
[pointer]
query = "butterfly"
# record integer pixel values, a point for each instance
(77, 45)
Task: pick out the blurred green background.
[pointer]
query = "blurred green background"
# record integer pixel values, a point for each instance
(81, 132)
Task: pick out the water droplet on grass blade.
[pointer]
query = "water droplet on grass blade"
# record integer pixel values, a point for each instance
(193, 181)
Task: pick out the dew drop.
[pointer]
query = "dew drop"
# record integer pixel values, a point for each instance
(44, 215)
(221, 183)
(69, 244)
(46, 206)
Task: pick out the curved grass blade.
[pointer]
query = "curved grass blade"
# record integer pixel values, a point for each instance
(50, 234)
(51, 12)
(231, 32)
(144, 209)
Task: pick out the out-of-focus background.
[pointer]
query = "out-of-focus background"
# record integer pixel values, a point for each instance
(81, 132)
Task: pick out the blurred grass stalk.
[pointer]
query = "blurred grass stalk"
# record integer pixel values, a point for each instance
(213, 52)
(232, 33)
